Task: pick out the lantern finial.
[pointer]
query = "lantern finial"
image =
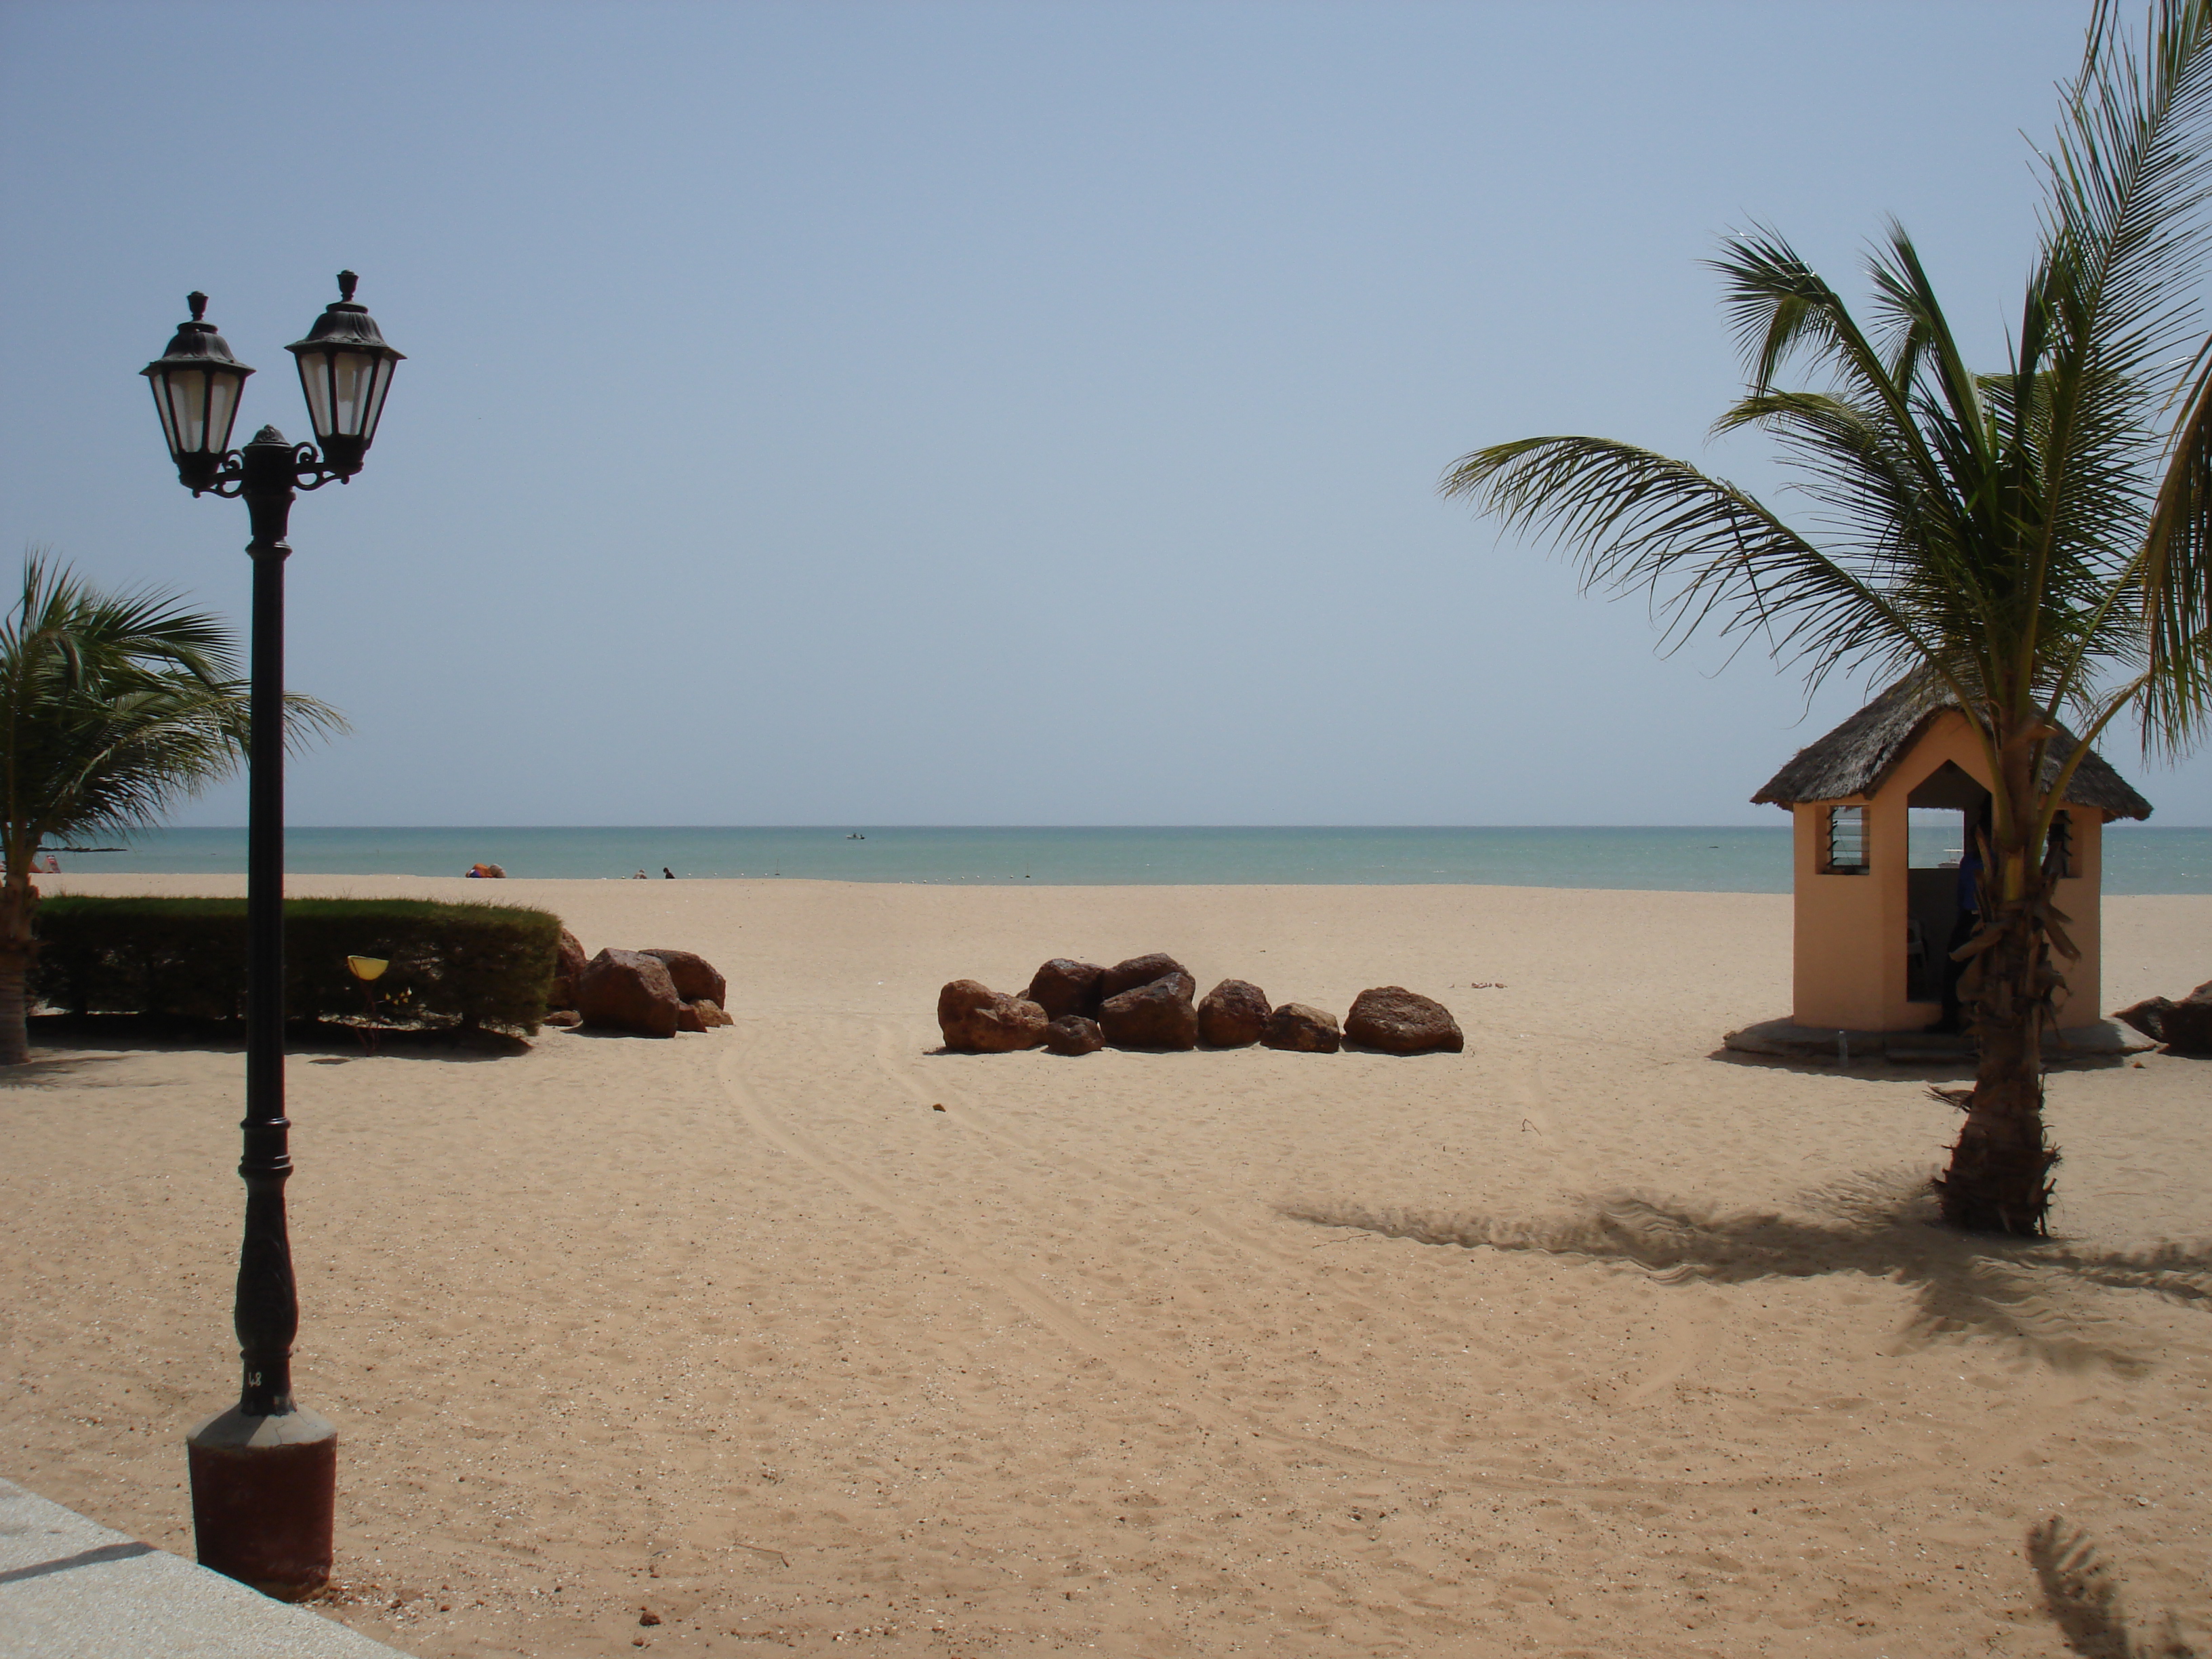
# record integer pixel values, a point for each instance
(197, 302)
(346, 281)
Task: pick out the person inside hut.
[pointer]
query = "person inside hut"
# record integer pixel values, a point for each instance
(1973, 860)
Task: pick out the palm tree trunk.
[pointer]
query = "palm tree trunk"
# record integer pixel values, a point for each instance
(18, 902)
(1999, 1181)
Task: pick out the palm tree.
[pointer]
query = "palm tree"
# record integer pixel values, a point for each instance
(2020, 543)
(113, 707)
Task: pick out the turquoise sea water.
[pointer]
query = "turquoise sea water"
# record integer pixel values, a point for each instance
(2138, 859)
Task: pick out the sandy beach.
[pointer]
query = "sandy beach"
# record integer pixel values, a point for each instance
(1592, 1340)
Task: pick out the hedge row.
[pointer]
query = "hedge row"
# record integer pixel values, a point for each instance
(451, 964)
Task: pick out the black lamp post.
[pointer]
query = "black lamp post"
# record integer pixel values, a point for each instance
(264, 1473)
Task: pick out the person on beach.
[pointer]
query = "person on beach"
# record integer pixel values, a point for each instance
(668, 872)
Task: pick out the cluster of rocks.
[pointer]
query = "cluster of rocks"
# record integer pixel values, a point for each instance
(1149, 1002)
(645, 993)
(2184, 1027)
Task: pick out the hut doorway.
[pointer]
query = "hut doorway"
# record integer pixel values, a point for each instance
(1941, 813)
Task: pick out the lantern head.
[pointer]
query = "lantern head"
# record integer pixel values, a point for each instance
(345, 369)
(196, 385)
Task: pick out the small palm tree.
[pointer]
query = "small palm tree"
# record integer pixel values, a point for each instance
(113, 708)
(2020, 543)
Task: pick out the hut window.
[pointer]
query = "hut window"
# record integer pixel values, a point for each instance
(2058, 848)
(1847, 842)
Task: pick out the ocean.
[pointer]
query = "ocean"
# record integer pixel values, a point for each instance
(2138, 859)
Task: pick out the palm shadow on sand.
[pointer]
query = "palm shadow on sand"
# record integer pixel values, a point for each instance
(2081, 1596)
(2035, 1297)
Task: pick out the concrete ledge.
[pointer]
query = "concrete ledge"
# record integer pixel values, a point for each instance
(1785, 1040)
(72, 1589)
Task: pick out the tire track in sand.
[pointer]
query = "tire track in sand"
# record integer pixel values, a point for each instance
(1176, 1391)
(974, 1120)
(1179, 1392)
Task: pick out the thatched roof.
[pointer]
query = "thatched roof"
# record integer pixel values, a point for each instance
(1857, 757)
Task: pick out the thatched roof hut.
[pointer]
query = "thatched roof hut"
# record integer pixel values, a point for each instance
(1858, 757)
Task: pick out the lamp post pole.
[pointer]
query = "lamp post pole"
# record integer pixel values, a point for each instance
(264, 1472)
(267, 1310)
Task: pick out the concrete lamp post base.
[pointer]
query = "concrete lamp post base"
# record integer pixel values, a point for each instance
(264, 1492)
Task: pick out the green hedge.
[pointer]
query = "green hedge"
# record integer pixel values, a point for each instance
(451, 964)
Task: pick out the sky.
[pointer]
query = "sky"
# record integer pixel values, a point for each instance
(976, 414)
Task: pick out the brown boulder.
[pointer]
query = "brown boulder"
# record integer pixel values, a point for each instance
(2189, 1022)
(567, 967)
(1397, 1021)
(1138, 970)
(1230, 1016)
(564, 1017)
(710, 1012)
(1064, 986)
(1302, 1030)
(694, 976)
(2148, 1017)
(977, 1020)
(1072, 1033)
(1156, 1014)
(628, 991)
(688, 1019)
(2184, 1027)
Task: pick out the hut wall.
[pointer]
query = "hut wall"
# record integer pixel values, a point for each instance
(2081, 899)
(1848, 947)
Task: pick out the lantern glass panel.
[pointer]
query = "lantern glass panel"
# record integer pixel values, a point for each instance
(221, 409)
(315, 382)
(352, 374)
(197, 406)
(175, 399)
(345, 391)
(380, 383)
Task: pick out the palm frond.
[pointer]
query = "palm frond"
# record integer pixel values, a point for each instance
(2126, 181)
(1707, 551)
(116, 706)
(1780, 308)
(2176, 580)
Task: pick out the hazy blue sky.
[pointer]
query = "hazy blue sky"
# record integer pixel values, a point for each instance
(974, 413)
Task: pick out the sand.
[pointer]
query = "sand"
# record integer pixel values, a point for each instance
(1152, 1355)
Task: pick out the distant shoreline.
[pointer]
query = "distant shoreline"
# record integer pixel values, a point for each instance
(1611, 857)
